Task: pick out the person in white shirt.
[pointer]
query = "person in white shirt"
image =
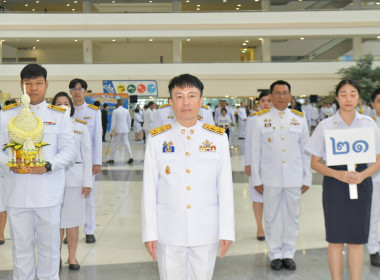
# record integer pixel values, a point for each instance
(90, 114)
(33, 194)
(187, 197)
(78, 182)
(148, 117)
(314, 118)
(120, 127)
(138, 120)
(242, 115)
(308, 110)
(280, 171)
(224, 121)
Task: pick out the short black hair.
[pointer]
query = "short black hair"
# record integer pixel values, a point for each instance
(347, 82)
(64, 94)
(223, 109)
(279, 82)
(150, 104)
(97, 103)
(263, 93)
(75, 81)
(374, 94)
(105, 105)
(32, 71)
(185, 80)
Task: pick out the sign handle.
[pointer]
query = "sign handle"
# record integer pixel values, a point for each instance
(352, 187)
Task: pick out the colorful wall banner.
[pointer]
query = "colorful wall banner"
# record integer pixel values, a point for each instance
(132, 87)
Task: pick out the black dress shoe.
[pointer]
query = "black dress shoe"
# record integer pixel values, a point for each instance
(289, 264)
(110, 161)
(130, 161)
(90, 238)
(65, 240)
(375, 259)
(276, 264)
(74, 266)
(2, 242)
(261, 238)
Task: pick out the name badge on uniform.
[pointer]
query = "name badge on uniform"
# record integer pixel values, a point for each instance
(171, 117)
(78, 131)
(267, 125)
(87, 118)
(168, 147)
(207, 147)
(200, 118)
(269, 139)
(50, 123)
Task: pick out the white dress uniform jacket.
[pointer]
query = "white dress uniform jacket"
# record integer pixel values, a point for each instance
(92, 116)
(121, 120)
(80, 174)
(148, 116)
(277, 149)
(35, 191)
(165, 115)
(187, 197)
(242, 114)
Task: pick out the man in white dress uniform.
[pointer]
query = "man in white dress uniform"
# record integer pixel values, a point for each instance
(187, 199)
(90, 114)
(120, 127)
(165, 115)
(242, 116)
(34, 200)
(280, 168)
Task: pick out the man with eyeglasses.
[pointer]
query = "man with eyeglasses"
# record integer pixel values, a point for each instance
(90, 114)
(281, 172)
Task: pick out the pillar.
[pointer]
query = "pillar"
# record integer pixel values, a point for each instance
(87, 6)
(177, 51)
(87, 51)
(265, 5)
(357, 47)
(266, 50)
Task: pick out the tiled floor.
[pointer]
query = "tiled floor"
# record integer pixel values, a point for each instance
(120, 254)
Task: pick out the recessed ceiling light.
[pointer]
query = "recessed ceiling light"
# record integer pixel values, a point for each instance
(302, 38)
(2, 40)
(75, 2)
(224, 1)
(245, 49)
(198, 9)
(150, 1)
(247, 41)
(37, 2)
(237, 8)
(73, 10)
(37, 40)
(188, 39)
(377, 3)
(260, 39)
(113, 40)
(198, 5)
(68, 5)
(244, 44)
(34, 48)
(33, 10)
(26, 5)
(150, 40)
(238, 5)
(113, 1)
(187, 1)
(378, 37)
(75, 40)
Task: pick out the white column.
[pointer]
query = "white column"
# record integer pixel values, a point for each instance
(177, 50)
(176, 6)
(87, 6)
(266, 50)
(1, 52)
(357, 4)
(357, 47)
(87, 52)
(265, 5)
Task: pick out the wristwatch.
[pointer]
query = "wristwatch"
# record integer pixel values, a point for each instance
(48, 166)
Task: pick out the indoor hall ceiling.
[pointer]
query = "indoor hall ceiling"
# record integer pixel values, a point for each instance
(166, 5)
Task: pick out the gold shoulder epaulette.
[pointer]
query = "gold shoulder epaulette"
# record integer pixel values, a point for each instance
(253, 114)
(165, 105)
(298, 112)
(11, 106)
(262, 112)
(93, 107)
(374, 118)
(160, 129)
(205, 106)
(80, 121)
(57, 108)
(213, 128)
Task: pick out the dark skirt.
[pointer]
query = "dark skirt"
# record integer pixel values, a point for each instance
(346, 220)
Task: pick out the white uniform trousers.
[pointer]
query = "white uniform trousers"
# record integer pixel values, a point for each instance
(120, 139)
(186, 263)
(28, 226)
(242, 129)
(230, 139)
(373, 239)
(281, 216)
(90, 225)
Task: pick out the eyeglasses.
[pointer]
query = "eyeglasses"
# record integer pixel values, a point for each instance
(77, 89)
(283, 94)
